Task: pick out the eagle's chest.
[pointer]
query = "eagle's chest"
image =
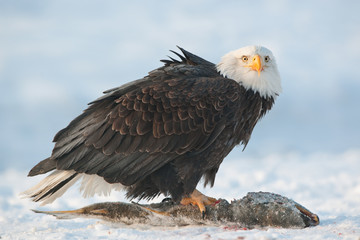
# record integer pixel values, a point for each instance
(244, 120)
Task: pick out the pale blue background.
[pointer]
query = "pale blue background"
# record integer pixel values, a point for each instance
(56, 56)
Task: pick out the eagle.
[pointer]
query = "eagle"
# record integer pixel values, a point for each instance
(163, 133)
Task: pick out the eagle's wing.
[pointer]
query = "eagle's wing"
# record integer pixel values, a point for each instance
(134, 130)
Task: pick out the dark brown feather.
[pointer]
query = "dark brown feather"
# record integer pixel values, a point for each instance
(162, 133)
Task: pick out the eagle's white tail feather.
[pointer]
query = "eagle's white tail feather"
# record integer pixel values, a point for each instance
(46, 192)
(93, 184)
(41, 191)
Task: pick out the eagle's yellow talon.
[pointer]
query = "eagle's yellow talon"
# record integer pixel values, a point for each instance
(200, 200)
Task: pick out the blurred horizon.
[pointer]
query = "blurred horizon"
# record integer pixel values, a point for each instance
(57, 56)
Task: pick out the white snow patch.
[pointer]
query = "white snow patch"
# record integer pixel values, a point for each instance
(328, 185)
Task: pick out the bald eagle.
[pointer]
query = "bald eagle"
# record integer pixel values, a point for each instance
(164, 132)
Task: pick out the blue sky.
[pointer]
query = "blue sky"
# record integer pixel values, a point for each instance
(56, 56)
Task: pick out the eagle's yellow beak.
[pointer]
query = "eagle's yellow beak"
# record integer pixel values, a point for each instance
(256, 64)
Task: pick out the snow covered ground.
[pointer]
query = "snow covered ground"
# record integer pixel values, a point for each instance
(328, 185)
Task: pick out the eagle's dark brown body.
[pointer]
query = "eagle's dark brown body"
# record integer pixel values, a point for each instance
(162, 133)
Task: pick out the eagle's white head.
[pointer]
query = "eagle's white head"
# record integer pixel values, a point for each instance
(254, 67)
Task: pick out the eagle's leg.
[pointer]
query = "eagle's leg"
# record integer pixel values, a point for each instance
(200, 200)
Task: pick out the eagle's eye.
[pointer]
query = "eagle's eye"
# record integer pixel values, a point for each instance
(267, 59)
(244, 58)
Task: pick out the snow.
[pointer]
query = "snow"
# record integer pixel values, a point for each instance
(56, 56)
(328, 185)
